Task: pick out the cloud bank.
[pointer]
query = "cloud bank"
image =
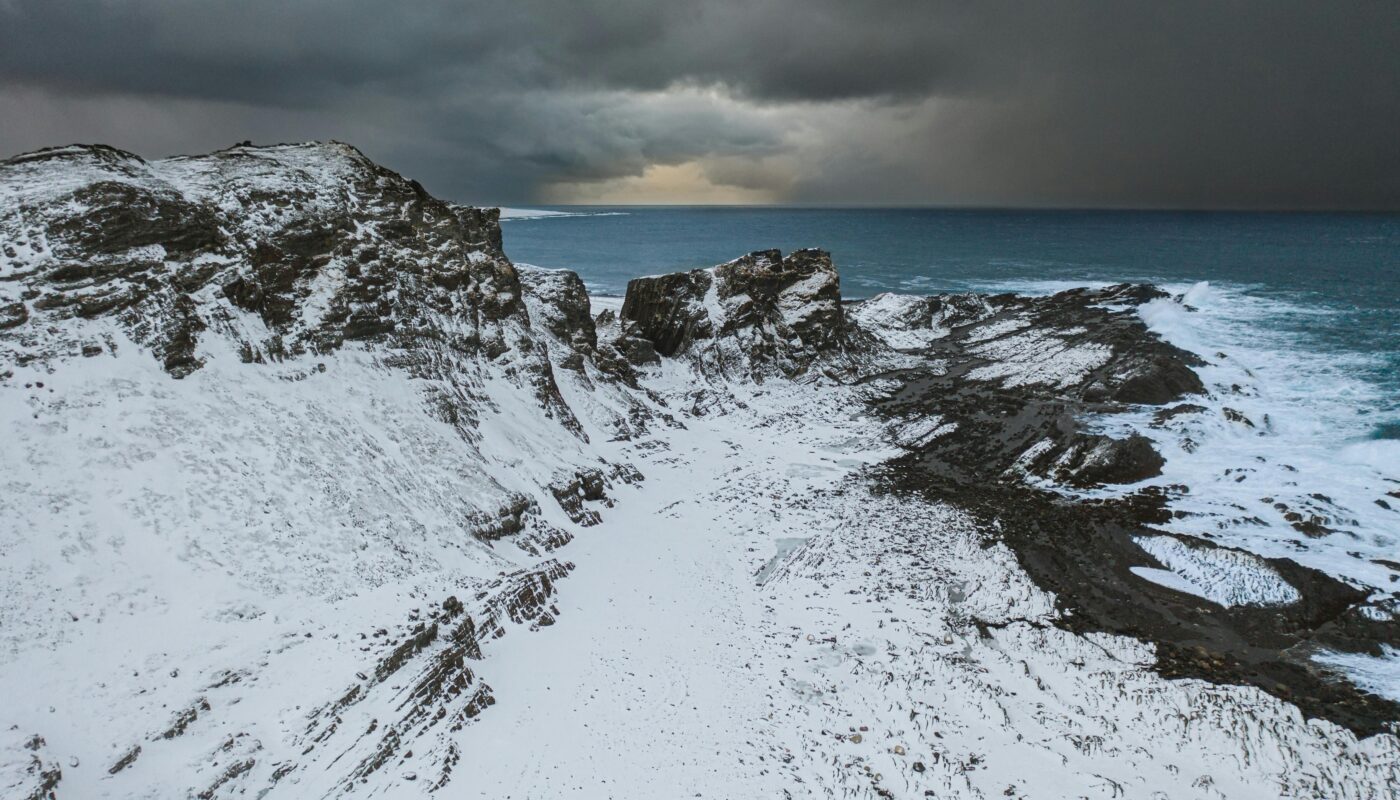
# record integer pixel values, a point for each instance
(1222, 104)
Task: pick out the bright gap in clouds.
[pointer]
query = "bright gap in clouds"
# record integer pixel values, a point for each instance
(659, 184)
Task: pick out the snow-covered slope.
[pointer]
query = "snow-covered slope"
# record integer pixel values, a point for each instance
(264, 412)
(306, 490)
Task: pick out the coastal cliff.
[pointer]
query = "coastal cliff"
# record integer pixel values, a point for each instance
(303, 455)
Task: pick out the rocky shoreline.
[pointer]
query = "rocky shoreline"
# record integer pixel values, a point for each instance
(1083, 550)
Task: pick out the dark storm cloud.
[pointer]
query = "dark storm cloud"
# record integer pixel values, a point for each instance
(1220, 104)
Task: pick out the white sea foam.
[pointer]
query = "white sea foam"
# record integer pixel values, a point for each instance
(1378, 674)
(1283, 436)
(1297, 431)
(508, 214)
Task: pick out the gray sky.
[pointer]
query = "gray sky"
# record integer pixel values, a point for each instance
(1219, 104)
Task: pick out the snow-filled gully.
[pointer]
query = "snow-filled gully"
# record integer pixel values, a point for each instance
(894, 653)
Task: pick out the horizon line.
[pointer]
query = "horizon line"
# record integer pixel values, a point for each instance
(972, 207)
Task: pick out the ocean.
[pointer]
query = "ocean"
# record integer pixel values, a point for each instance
(1299, 315)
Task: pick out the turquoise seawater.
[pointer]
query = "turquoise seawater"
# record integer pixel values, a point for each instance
(1325, 286)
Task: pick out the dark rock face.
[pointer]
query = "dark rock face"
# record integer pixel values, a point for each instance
(801, 292)
(957, 310)
(759, 315)
(119, 217)
(590, 486)
(668, 310)
(564, 308)
(13, 315)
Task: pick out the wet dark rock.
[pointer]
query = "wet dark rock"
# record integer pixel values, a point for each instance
(1155, 379)
(1102, 459)
(1163, 416)
(1235, 416)
(1131, 294)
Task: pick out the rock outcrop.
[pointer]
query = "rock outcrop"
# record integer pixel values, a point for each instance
(756, 316)
(995, 417)
(317, 244)
(1015, 378)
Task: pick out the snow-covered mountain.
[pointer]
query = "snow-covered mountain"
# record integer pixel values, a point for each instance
(308, 491)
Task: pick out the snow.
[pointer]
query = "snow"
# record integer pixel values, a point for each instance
(730, 627)
(1224, 576)
(752, 622)
(1169, 579)
(601, 302)
(530, 213)
(508, 214)
(899, 320)
(1034, 357)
